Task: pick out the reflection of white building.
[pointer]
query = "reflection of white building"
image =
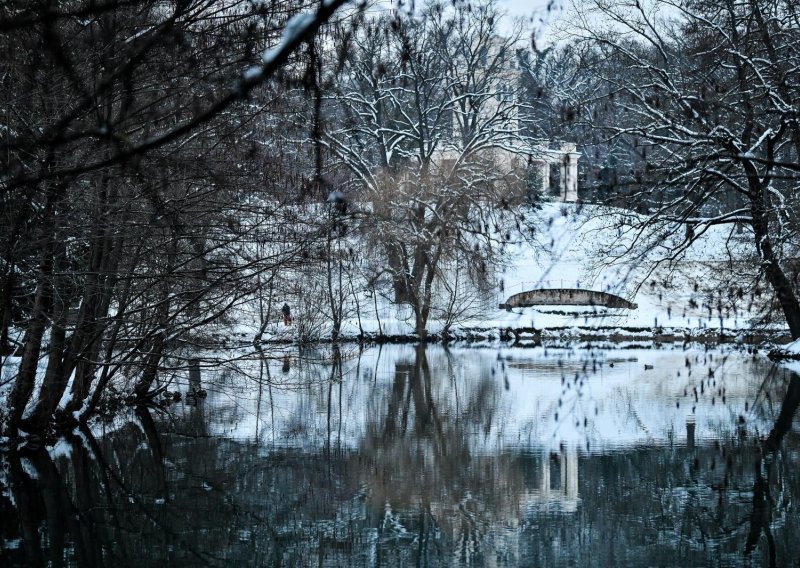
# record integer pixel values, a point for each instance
(559, 494)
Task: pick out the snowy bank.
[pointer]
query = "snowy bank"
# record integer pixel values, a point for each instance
(790, 352)
(578, 247)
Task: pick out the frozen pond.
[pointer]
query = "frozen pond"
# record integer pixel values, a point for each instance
(406, 455)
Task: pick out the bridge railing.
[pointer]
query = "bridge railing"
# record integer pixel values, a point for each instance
(538, 285)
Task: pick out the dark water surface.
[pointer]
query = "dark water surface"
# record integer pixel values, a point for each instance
(405, 456)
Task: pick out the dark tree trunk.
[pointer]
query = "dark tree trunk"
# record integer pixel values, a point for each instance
(66, 355)
(80, 390)
(7, 309)
(150, 371)
(773, 271)
(85, 371)
(54, 383)
(55, 380)
(399, 272)
(26, 378)
(162, 320)
(86, 342)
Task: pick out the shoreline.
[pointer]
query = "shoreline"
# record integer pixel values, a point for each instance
(532, 337)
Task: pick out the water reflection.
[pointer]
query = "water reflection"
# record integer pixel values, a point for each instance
(415, 455)
(766, 474)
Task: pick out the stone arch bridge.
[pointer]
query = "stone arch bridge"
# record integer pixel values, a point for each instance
(566, 297)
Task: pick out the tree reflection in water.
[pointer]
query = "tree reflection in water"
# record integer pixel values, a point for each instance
(763, 502)
(430, 479)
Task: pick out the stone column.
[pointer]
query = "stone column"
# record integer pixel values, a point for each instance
(544, 166)
(569, 172)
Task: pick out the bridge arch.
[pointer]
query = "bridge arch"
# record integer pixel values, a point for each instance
(566, 297)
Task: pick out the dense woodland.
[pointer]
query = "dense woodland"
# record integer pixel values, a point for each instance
(165, 161)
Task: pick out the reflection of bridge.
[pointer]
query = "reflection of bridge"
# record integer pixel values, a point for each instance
(562, 497)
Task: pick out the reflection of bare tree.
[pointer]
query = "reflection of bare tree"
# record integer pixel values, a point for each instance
(334, 379)
(763, 503)
(154, 444)
(112, 502)
(426, 482)
(94, 496)
(433, 434)
(720, 473)
(425, 487)
(46, 506)
(28, 510)
(412, 390)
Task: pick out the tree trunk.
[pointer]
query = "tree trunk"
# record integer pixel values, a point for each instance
(151, 366)
(65, 355)
(26, 378)
(53, 384)
(81, 389)
(153, 358)
(770, 262)
(334, 298)
(7, 309)
(399, 272)
(77, 398)
(55, 380)
(420, 327)
(86, 342)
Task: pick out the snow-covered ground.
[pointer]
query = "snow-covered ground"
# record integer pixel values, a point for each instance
(789, 352)
(571, 251)
(574, 246)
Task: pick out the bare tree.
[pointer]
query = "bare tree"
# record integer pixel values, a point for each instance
(424, 115)
(120, 122)
(709, 89)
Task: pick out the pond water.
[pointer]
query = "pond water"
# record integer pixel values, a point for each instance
(424, 456)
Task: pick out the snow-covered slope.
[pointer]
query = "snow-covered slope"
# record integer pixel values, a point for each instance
(587, 247)
(584, 246)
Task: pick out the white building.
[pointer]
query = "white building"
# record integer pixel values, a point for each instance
(510, 150)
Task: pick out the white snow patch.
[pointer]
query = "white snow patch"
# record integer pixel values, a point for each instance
(28, 468)
(252, 73)
(295, 27)
(793, 347)
(62, 448)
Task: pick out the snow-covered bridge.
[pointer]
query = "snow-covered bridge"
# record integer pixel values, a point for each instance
(566, 297)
